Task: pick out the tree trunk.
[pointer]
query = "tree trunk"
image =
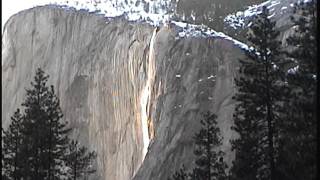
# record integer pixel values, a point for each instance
(208, 151)
(269, 120)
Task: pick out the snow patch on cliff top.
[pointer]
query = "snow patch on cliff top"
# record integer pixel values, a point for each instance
(155, 13)
(191, 30)
(238, 19)
(242, 19)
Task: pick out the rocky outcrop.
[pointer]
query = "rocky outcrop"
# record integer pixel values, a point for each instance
(123, 86)
(238, 23)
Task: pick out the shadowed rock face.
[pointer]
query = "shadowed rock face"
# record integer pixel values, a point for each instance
(100, 70)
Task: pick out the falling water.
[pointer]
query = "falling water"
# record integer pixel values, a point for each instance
(145, 97)
(144, 120)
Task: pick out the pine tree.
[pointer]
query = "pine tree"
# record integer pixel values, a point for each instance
(57, 139)
(36, 144)
(79, 161)
(297, 155)
(180, 175)
(45, 134)
(259, 98)
(11, 148)
(209, 161)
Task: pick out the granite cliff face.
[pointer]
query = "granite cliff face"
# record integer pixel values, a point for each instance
(133, 93)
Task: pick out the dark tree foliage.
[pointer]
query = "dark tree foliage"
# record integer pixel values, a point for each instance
(79, 161)
(11, 149)
(259, 98)
(45, 134)
(298, 144)
(209, 163)
(36, 144)
(180, 175)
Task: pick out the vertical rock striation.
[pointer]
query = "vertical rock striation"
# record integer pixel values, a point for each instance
(98, 69)
(133, 93)
(193, 75)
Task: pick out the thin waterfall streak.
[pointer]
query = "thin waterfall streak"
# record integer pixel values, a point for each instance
(145, 97)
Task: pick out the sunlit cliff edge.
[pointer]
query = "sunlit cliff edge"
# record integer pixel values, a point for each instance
(133, 92)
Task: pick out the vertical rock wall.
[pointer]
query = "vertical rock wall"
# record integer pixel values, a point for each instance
(193, 75)
(98, 70)
(106, 73)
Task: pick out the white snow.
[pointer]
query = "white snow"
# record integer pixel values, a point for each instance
(273, 3)
(242, 19)
(152, 12)
(271, 15)
(237, 19)
(293, 70)
(274, 66)
(187, 30)
(211, 76)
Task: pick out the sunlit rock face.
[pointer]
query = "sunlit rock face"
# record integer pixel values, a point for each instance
(98, 70)
(123, 86)
(193, 75)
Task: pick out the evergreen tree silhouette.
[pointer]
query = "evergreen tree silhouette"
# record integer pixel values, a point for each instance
(209, 161)
(259, 98)
(79, 161)
(180, 175)
(11, 148)
(36, 144)
(298, 144)
(45, 133)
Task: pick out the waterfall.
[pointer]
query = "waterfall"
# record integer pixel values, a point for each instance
(144, 120)
(145, 97)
